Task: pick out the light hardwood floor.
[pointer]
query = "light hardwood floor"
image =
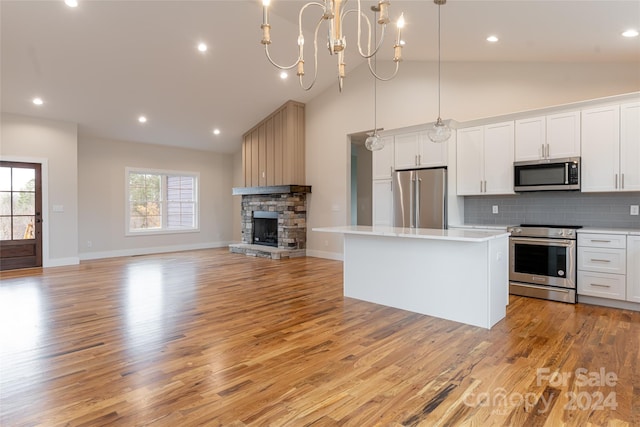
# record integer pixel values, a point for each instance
(213, 338)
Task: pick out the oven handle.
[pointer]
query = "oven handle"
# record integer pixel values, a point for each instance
(545, 242)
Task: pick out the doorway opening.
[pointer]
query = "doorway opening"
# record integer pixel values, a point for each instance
(361, 199)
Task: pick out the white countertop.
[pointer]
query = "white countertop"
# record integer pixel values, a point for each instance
(417, 233)
(597, 230)
(480, 227)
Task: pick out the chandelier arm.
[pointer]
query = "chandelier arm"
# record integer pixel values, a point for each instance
(300, 58)
(370, 54)
(383, 79)
(315, 59)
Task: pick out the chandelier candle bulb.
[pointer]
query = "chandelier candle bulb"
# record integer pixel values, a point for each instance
(265, 12)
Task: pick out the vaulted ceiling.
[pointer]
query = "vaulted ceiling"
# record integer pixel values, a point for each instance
(104, 63)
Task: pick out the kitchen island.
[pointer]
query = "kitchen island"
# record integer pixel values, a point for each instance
(460, 275)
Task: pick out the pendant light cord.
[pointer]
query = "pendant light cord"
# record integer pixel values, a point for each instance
(375, 85)
(439, 49)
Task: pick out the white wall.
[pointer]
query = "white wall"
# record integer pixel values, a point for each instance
(101, 173)
(469, 91)
(238, 181)
(54, 145)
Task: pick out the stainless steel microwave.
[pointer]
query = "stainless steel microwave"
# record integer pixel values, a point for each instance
(547, 175)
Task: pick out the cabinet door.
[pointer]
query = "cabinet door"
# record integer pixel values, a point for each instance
(630, 146)
(382, 160)
(531, 137)
(600, 149)
(498, 158)
(633, 268)
(406, 150)
(431, 154)
(470, 162)
(563, 135)
(382, 202)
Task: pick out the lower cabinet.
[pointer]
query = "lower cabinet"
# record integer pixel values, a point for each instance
(633, 268)
(382, 202)
(602, 268)
(609, 266)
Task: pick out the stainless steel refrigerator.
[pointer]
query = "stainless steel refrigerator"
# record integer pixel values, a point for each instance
(420, 198)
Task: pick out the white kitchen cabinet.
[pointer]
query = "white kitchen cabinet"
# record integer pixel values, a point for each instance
(485, 160)
(610, 149)
(633, 268)
(415, 150)
(602, 265)
(630, 146)
(382, 202)
(382, 160)
(548, 137)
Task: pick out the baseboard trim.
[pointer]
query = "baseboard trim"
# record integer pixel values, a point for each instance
(152, 250)
(337, 256)
(60, 262)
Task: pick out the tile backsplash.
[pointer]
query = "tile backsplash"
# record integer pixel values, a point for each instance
(605, 210)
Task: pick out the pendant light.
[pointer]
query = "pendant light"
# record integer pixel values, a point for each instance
(440, 132)
(374, 142)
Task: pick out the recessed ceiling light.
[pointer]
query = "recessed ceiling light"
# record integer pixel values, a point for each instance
(38, 101)
(202, 47)
(216, 131)
(142, 119)
(284, 75)
(71, 3)
(630, 33)
(492, 39)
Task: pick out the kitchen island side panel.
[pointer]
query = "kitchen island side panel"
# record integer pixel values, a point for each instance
(461, 281)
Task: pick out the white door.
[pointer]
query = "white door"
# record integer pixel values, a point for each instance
(382, 202)
(406, 150)
(563, 135)
(630, 146)
(498, 158)
(470, 161)
(601, 149)
(382, 160)
(530, 139)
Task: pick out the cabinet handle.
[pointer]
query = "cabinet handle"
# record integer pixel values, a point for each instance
(599, 241)
(616, 181)
(481, 186)
(600, 260)
(600, 286)
(390, 170)
(622, 186)
(547, 150)
(419, 159)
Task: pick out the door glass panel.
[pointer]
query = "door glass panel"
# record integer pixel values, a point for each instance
(23, 179)
(23, 227)
(5, 228)
(24, 203)
(5, 203)
(5, 179)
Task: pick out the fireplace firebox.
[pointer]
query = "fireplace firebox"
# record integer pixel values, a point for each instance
(265, 228)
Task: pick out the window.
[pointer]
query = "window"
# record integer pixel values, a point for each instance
(161, 201)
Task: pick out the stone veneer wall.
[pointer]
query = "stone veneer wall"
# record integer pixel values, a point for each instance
(292, 217)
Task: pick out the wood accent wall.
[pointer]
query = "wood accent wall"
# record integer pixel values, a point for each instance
(273, 150)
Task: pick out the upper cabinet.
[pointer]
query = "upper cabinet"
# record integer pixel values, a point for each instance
(485, 160)
(273, 150)
(415, 150)
(548, 137)
(610, 149)
(382, 160)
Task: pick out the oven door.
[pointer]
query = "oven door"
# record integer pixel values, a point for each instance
(543, 261)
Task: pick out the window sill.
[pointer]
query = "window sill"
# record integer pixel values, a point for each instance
(159, 232)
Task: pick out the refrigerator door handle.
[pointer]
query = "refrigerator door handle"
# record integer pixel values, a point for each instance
(417, 203)
(412, 202)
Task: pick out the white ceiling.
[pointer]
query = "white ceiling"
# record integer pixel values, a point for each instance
(104, 63)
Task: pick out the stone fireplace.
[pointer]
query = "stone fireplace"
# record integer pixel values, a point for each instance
(283, 207)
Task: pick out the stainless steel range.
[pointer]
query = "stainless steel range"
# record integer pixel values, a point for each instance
(542, 262)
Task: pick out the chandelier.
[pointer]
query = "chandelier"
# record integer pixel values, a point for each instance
(334, 12)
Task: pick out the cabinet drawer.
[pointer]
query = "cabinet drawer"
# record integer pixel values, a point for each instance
(602, 285)
(602, 240)
(602, 260)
